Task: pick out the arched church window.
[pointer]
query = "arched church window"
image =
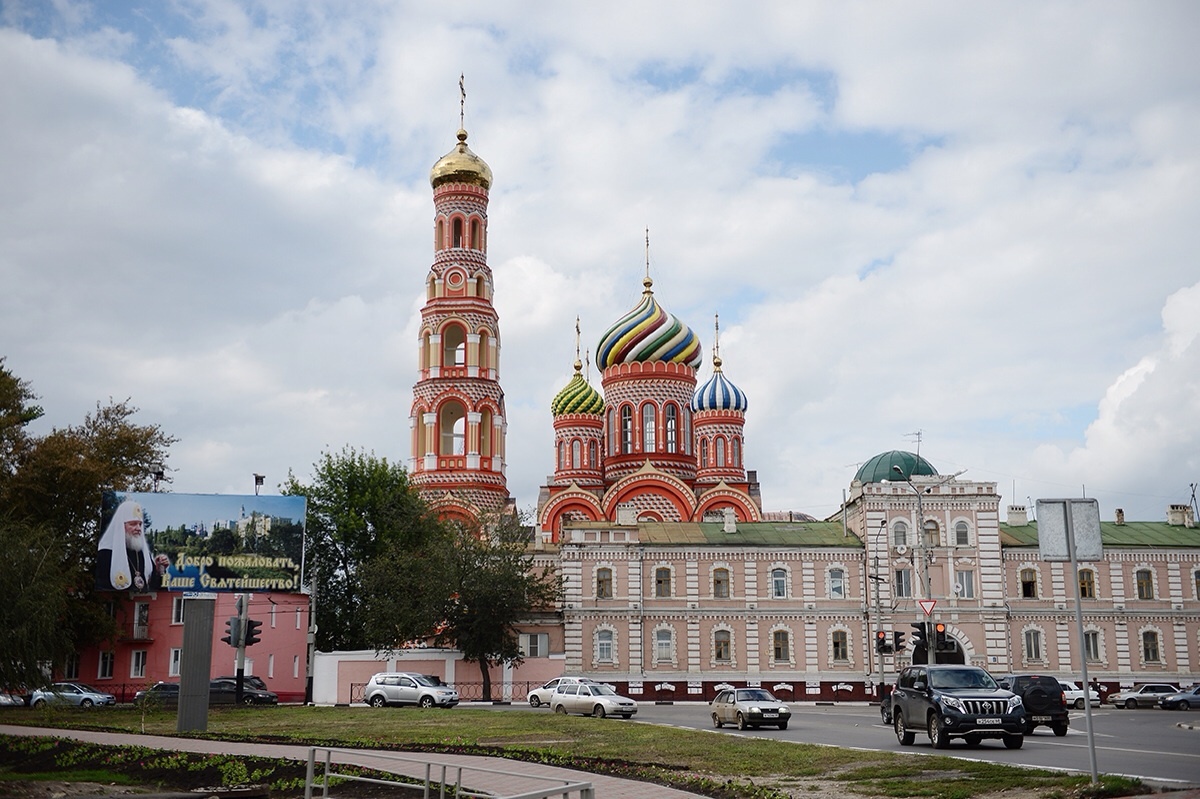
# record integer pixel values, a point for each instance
(458, 233)
(719, 454)
(704, 453)
(626, 430)
(672, 427)
(575, 454)
(439, 235)
(560, 456)
(454, 346)
(612, 432)
(476, 235)
(485, 433)
(453, 424)
(648, 428)
(592, 462)
(735, 453)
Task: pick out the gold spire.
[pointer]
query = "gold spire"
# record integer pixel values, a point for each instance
(646, 281)
(462, 100)
(578, 363)
(716, 342)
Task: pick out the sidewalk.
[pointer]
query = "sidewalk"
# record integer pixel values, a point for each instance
(606, 787)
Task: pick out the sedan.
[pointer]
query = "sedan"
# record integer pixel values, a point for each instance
(1184, 700)
(71, 693)
(749, 707)
(165, 694)
(539, 697)
(1074, 694)
(224, 692)
(591, 699)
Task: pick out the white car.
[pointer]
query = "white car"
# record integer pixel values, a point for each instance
(1074, 694)
(1143, 696)
(406, 688)
(591, 699)
(540, 697)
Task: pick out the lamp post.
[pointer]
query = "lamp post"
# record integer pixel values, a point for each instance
(876, 578)
(922, 553)
(258, 481)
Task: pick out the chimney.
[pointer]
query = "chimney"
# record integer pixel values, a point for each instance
(730, 521)
(1177, 515)
(626, 515)
(1018, 516)
(1120, 516)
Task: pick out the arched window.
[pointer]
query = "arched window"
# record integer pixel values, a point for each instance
(1087, 584)
(899, 533)
(704, 453)
(1150, 652)
(841, 645)
(575, 450)
(454, 346)
(592, 462)
(735, 453)
(719, 456)
(962, 534)
(663, 645)
(457, 233)
(439, 235)
(648, 428)
(672, 427)
(604, 583)
(779, 646)
(560, 456)
(453, 425)
(837, 584)
(1033, 644)
(476, 235)
(484, 358)
(612, 432)
(723, 645)
(604, 646)
(626, 430)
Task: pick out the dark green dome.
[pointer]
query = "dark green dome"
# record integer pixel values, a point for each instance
(880, 467)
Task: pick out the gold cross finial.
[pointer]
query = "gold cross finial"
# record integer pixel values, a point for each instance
(578, 364)
(717, 342)
(462, 100)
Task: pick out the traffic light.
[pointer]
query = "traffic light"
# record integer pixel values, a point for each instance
(881, 642)
(940, 642)
(920, 636)
(897, 641)
(233, 632)
(252, 626)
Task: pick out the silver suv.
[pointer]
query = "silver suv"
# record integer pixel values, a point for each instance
(407, 688)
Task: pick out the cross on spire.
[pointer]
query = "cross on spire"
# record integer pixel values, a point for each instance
(462, 100)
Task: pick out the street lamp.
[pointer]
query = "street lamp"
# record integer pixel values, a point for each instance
(922, 533)
(258, 481)
(876, 578)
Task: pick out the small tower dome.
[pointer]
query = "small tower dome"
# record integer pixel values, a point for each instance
(718, 393)
(577, 396)
(460, 165)
(648, 333)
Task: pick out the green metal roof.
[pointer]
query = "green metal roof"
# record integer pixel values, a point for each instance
(1129, 534)
(750, 534)
(882, 467)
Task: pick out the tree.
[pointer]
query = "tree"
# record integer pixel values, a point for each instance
(358, 505)
(16, 411)
(469, 593)
(36, 603)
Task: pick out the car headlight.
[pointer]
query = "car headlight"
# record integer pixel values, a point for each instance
(1015, 704)
(785, 711)
(954, 702)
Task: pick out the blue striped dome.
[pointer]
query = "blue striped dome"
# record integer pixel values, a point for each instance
(719, 394)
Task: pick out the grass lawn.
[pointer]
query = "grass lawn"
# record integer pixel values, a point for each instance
(703, 762)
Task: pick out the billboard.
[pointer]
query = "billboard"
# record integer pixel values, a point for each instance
(200, 542)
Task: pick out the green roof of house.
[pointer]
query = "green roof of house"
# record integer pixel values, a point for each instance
(750, 534)
(1129, 534)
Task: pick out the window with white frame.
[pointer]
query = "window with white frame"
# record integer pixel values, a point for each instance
(721, 583)
(663, 645)
(964, 583)
(604, 646)
(648, 428)
(1087, 584)
(1145, 584)
(71, 667)
(662, 582)
(626, 430)
(841, 645)
(779, 583)
(104, 670)
(175, 663)
(672, 427)
(604, 583)
(780, 646)
(176, 610)
(137, 664)
(535, 645)
(1033, 644)
(837, 583)
(902, 583)
(723, 646)
(899, 533)
(1091, 645)
(962, 534)
(1029, 583)
(1150, 653)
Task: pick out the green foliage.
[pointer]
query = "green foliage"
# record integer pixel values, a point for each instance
(358, 506)
(35, 591)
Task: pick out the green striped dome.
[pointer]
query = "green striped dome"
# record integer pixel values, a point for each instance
(577, 396)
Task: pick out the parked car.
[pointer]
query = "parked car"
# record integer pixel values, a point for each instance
(1145, 695)
(406, 688)
(591, 699)
(254, 681)
(165, 694)
(71, 693)
(885, 709)
(10, 700)
(947, 701)
(539, 697)
(224, 692)
(749, 707)
(1074, 694)
(1184, 700)
(1044, 700)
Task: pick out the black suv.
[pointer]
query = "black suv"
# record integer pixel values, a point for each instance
(946, 701)
(1045, 702)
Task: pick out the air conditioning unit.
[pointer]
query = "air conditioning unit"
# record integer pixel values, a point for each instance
(901, 549)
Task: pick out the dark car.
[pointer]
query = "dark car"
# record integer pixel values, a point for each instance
(1184, 700)
(1044, 699)
(224, 692)
(251, 680)
(946, 701)
(165, 694)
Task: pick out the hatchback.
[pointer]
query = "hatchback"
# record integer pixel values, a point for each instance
(591, 699)
(541, 696)
(749, 707)
(71, 693)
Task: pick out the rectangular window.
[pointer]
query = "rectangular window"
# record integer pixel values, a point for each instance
(662, 583)
(176, 659)
(662, 645)
(964, 584)
(1196, 576)
(779, 646)
(721, 584)
(1145, 584)
(105, 670)
(604, 646)
(779, 583)
(137, 665)
(722, 645)
(71, 668)
(1150, 647)
(177, 610)
(141, 625)
(841, 649)
(837, 584)
(1033, 644)
(535, 645)
(1028, 584)
(903, 583)
(604, 586)
(1087, 584)
(1091, 646)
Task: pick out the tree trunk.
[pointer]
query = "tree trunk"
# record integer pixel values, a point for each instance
(485, 673)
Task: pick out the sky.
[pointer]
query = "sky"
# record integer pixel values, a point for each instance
(968, 228)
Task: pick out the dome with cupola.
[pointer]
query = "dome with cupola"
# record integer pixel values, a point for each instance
(647, 334)
(577, 396)
(460, 165)
(884, 465)
(719, 393)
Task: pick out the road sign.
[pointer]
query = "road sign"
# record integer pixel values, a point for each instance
(927, 605)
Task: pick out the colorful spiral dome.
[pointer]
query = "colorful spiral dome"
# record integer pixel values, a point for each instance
(647, 334)
(577, 396)
(718, 394)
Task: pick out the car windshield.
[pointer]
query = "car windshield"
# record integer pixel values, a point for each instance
(423, 680)
(961, 678)
(754, 695)
(87, 689)
(599, 690)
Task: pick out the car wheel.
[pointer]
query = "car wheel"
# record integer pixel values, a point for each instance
(40, 703)
(378, 701)
(902, 735)
(717, 721)
(560, 709)
(1014, 741)
(535, 702)
(1131, 704)
(937, 736)
(427, 701)
(247, 700)
(741, 722)
(1079, 703)
(1060, 730)
(85, 704)
(973, 740)
(1184, 705)
(598, 712)
(885, 715)
(783, 725)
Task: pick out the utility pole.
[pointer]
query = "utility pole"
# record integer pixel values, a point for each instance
(877, 578)
(243, 609)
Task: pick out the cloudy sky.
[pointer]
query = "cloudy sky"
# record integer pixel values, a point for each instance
(979, 222)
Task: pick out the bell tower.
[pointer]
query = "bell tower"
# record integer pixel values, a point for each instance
(458, 423)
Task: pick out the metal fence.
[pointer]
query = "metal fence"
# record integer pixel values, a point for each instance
(469, 691)
(437, 777)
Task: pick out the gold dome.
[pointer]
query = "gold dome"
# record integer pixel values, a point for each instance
(460, 165)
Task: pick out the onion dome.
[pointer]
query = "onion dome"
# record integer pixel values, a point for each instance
(719, 394)
(883, 467)
(577, 396)
(647, 334)
(460, 165)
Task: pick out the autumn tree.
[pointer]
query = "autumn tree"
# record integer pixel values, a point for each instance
(359, 505)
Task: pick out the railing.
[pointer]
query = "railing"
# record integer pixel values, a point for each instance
(468, 691)
(435, 776)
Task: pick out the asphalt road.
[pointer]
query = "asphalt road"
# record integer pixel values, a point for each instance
(1159, 746)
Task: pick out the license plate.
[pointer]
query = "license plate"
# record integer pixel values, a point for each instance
(1040, 719)
(770, 715)
(987, 721)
